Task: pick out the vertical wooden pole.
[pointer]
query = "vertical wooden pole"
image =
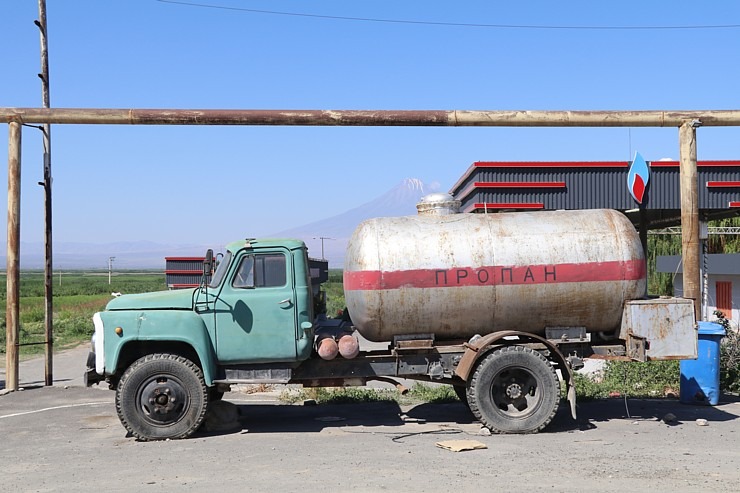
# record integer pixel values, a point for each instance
(12, 310)
(690, 215)
(48, 265)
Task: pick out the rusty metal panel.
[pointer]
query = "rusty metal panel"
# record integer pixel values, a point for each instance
(659, 329)
(724, 298)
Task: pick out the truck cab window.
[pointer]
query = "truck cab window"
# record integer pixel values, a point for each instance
(261, 271)
(223, 266)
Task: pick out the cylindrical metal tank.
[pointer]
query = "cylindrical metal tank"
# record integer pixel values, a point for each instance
(464, 274)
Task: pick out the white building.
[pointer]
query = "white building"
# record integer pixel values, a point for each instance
(723, 282)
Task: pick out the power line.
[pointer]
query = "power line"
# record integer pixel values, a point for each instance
(453, 24)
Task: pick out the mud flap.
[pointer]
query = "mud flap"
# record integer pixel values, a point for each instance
(572, 399)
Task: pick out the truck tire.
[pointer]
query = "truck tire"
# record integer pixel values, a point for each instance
(514, 389)
(162, 396)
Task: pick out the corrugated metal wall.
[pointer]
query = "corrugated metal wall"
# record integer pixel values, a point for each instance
(184, 263)
(184, 272)
(592, 186)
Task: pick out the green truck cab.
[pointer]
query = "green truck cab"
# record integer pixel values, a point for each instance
(166, 352)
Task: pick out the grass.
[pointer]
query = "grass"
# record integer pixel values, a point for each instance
(75, 300)
(619, 378)
(334, 294)
(660, 378)
(420, 392)
(655, 379)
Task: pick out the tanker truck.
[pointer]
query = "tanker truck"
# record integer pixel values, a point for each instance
(500, 306)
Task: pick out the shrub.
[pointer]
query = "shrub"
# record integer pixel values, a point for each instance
(729, 356)
(633, 379)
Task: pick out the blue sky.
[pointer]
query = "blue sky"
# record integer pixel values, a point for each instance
(215, 184)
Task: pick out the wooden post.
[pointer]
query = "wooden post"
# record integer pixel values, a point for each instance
(12, 309)
(690, 215)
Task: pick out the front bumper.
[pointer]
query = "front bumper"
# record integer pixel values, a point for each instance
(91, 377)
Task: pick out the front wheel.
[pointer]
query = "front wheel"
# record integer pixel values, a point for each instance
(514, 389)
(162, 396)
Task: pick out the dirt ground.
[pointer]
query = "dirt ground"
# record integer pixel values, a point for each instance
(68, 437)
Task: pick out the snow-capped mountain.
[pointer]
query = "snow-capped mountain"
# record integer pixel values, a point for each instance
(401, 200)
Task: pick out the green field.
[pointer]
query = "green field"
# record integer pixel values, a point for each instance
(334, 293)
(77, 296)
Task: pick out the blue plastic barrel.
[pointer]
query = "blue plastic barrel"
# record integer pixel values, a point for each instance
(700, 376)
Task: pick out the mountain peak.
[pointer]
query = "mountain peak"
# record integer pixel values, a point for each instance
(404, 196)
(400, 200)
(413, 184)
(417, 185)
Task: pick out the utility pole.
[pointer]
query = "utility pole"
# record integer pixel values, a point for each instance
(110, 267)
(322, 238)
(48, 265)
(690, 250)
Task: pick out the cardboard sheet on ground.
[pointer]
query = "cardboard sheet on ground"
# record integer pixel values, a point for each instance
(461, 445)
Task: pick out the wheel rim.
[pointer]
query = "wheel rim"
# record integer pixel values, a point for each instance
(515, 392)
(163, 400)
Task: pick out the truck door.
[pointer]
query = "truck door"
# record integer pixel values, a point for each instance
(255, 313)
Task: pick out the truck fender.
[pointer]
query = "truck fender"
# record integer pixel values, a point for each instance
(474, 350)
(158, 328)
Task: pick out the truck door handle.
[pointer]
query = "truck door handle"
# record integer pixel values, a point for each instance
(286, 300)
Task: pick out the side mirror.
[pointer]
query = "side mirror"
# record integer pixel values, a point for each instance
(208, 263)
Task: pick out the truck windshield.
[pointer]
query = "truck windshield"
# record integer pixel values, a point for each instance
(218, 276)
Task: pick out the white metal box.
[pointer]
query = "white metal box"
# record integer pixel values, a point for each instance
(660, 329)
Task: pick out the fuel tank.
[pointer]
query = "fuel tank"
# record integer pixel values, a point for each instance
(464, 274)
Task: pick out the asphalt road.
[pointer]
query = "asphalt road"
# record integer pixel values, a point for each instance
(67, 437)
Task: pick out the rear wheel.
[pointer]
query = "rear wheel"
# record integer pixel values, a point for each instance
(162, 396)
(514, 389)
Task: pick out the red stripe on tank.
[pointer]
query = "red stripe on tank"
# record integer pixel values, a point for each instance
(618, 270)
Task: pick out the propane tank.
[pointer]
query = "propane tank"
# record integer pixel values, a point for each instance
(327, 347)
(349, 347)
(459, 275)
